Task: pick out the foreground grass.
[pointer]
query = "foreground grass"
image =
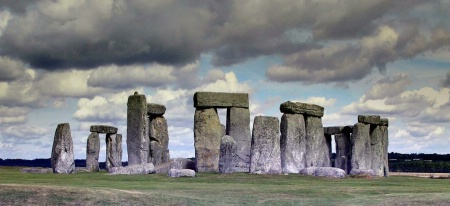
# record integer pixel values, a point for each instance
(17, 188)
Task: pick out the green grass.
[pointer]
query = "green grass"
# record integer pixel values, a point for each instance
(17, 188)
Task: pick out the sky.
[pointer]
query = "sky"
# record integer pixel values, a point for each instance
(77, 61)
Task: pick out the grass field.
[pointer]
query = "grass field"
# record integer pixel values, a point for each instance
(17, 188)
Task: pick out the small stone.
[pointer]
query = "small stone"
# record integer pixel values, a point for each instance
(104, 129)
(301, 108)
(156, 109)
(220, 100)
(330, 172)
(369, 119)
(146, 168)
(228, 150)
(62, 158)
(265, 151)
(181, 173)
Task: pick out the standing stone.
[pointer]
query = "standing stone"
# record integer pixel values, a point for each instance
(62, 158)
(376, 146)
(343, 151)
(113, 150)
(361, 157)
(385, 144)
(293, 144)
(265, 149)
(92, 152)
(238, 126)
(228, 149)
(317, 149)
(207, 136)
(159, 140)
(137, 129)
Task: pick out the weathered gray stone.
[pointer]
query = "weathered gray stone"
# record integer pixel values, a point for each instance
(113, 150)
(361, 152)
(182, 163)
(265, 150)
(317, 148)
(104, 129)
(330, 172)
(238, 126)
(156, 109)
(362, 173)
(62, 159)
(384, 122)
(337, 130)
(385, 145)
(159, 140)
(146, 168)
(301, 108)
(376, 146)
(220, 100)
(92, 152)
(228, 149)
(181, 173)
(207, 135)
(292, 143)
(343, 151)
(137, 129)
(369, 119)
(36, 170)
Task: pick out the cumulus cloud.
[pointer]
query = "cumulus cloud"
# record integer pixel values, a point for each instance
(322, 101)
(446, 82)
(24, 132)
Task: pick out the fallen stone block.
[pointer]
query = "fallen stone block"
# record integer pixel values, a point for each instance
(181, 173)
(301, 108)
(362, 173)
(369, 119)
(156, 109)
(220, 99)
(36, 170)
(146, 168)
(330, 172)
(104, 129)
(182, 163)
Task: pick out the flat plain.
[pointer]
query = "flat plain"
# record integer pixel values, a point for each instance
(18, 188)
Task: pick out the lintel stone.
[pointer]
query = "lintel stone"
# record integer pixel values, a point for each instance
(337, 130)
(155, 109)
(220, 99)
(104, 129)
(369, 119)
(301, 108)
(384, 122)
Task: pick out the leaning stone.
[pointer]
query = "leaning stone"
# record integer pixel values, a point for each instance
(293, 143)
(361, 173)
(228, 150)
(361, 151)
(181, 173)
(137, 129)
(182, 163)
(104, 129)
(156, 109)
(207, 135)
(265, 150)
(36, 170)
(146, 168)
(343, 151)
(220, 99)
(301, 108)
(238, 126)
(113, 150)
(384, 122)
(92, 152)
(62, 159)
(330, 172)
(369, 119)
(159, 140)
(317, 146)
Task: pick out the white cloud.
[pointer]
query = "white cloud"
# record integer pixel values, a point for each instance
(321, 101)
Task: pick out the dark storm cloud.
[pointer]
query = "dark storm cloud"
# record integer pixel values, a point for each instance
(17, 6)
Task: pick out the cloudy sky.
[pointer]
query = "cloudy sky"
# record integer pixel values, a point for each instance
(77, 61)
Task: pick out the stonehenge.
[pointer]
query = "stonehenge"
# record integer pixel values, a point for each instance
(137, 129)
(62, 158)
(113, 148)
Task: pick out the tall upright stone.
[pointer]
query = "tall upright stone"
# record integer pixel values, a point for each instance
(137, 129)
(113, 151)
(265, 150)
(62, 158)
(292, 143)
(343, 151)
(238, 126)
(207, 136)
(159, 140)
(361, 151)
(376, 146)
(228, 148)
(384, 123)
(317, 149)
(92, 152)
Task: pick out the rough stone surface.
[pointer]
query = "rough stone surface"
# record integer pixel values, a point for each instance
(156, 109)
(330, 172)
(343, 152)
(337, 130)
(62, 159)
(317, 149)
(181, 173)
(292, 143)
(228, 149)
(159, 140)
(376, 146)
(301, 108)
(384, 122)
(104, 129)
(238, 126)
(207, 135)
(265, 150)
(362, 173)
(361, 152)
(220, 100)
(182, 163)
(113, 150)
(137, 130)
(385, 145)
(36, 170)
(146, 168)
(92, 152)
(369, 119)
